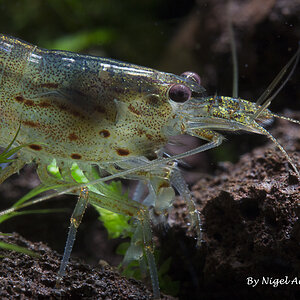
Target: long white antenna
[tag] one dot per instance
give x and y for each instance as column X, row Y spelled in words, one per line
column 273, row 84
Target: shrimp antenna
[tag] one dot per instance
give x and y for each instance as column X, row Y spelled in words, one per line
column 271, row 137
column 286, row 118
column 264, row 97
column 234, row 60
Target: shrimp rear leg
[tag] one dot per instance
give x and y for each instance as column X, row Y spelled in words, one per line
column 159, row 200
column 142, row 243
column 74, row 224
column 149, row 251
column 214, row 140
column 178, row 182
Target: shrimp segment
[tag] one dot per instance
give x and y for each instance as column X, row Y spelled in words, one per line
column 118, row 117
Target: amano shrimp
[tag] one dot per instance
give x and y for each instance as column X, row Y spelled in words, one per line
column 117, row 116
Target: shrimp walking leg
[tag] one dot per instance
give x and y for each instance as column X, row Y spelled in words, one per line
column 141, row 242
column 179, row 184
column 75, row 222
column 139, row 191
column 149, row 251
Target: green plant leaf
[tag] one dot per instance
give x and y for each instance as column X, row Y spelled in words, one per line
column 54, row 170
column 27, row 212
column 77, row 174
column 122, row 248
column 82, row 40
column 7, row 153
column 17, row 248
column 116, row 225
column 34, row 192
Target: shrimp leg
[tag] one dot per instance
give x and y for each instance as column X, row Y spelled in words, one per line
column 142, row 243
column 75, row 221
column 149, row 251
column 179, row 184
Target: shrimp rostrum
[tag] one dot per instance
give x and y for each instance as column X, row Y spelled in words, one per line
column 118, row 117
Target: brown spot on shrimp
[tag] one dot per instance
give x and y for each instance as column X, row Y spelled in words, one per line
column 140, row 131
column 64, row 107
column 76, row 156
column 72, row 137
column 123, row 152
column 19, row 98
column 44, row 104
column 35, row 147
column 104, row 133
column 50, row 85
column 134, row 110
column 149, row 137
column 29, row 102
column 31, row 123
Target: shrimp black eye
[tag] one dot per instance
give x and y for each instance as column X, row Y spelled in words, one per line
column 192, row 76
column 179, row 93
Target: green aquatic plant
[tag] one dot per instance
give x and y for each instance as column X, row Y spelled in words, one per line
column 8, row 152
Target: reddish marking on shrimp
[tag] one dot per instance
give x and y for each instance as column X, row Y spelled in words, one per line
column 31, row 123
column 72, row 137
column 44, row 104
column 29, row 102
column 19, row 98
column 123, row 152
column 35, row 147
column 134, row 110
column 50, row 85
column 76, row 156
column 104, row 133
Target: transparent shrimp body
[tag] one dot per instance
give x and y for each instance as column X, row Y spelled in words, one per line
column 88, row 110
column 83, row 108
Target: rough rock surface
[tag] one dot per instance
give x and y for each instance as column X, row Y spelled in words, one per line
column 25, row 277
